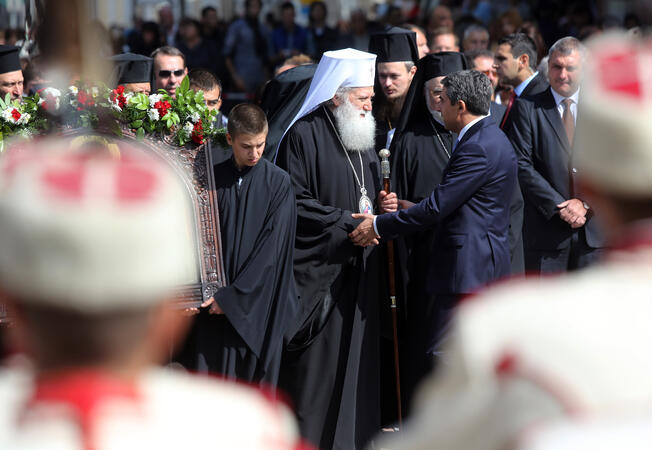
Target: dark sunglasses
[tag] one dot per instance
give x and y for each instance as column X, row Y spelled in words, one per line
column 167, row 73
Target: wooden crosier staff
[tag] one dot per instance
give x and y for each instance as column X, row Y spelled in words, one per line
column 384, row 167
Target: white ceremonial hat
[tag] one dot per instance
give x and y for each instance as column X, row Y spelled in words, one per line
column 339, row 68
column 614, row 126
column 85, row 230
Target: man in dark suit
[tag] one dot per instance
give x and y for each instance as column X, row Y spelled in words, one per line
column 470, row 207
column 558, row 231
column 515, row 61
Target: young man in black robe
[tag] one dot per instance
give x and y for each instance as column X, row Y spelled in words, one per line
column 241, row 332
column 331, row 367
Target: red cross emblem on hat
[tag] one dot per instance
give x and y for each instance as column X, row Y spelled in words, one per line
column 625, row 70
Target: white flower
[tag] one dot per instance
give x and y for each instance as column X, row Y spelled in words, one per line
column 6, row 115
column 188, row 127
column 51, row 92
column 73, row 90
column 24, row 118
column 153, row 114
column 195, row 117
column 128, row 95
column 153, row 98
column 116, row 106
column 95, row 91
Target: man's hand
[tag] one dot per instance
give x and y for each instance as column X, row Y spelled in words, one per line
column 364, row 235
column 573, row 212
column 388, row 202
column 214, row 307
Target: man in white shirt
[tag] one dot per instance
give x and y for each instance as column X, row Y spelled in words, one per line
column 558, row 233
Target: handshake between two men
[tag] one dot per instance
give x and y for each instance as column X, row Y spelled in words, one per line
column 365, row 235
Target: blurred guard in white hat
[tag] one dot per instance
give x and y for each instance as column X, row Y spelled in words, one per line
column 91, row 247
column 331, row 369
column 564, row 362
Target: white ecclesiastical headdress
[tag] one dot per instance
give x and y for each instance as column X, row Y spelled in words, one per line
column 336, row 69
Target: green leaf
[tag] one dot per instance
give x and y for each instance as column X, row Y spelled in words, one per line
column 140, row 133
column 199, row 97
column 185, row 85
column 142, row 106
column 137, row 124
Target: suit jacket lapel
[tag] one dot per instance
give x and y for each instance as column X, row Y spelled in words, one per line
column 549, row 108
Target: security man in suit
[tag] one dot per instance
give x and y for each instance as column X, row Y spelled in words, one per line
column 558, row 231
column 515, row 62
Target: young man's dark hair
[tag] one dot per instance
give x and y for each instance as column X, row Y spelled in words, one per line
column 521, row 44
column 204, row 80
column 247, row 118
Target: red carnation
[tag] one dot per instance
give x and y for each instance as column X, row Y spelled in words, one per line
column 197, row 135
column 16, row 114
column 84, row 99
column 118, row 94
column 162, row 107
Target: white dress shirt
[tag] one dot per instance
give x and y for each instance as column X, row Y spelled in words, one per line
column 560, row 106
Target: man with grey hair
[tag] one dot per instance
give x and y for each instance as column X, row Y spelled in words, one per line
column 471, row 205
column 331, row 367
column 559, row 232
column 476, row 37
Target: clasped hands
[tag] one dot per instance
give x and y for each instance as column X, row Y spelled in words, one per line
column 364, row 234
column 573, row 212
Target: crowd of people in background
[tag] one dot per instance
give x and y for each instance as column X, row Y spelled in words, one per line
column 247, row 51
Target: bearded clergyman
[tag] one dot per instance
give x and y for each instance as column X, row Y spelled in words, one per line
column 330, row 368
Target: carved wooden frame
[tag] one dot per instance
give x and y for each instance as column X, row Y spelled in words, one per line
column 194, row 165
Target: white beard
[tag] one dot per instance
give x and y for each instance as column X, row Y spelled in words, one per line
column 435, row 114
column 357, row 133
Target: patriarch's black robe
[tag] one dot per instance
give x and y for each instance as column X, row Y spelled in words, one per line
column 331, row 367
column 257, row 221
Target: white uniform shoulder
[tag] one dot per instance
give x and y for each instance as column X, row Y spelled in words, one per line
column 527, row 352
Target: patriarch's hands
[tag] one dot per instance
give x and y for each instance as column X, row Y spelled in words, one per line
column 364, row 235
